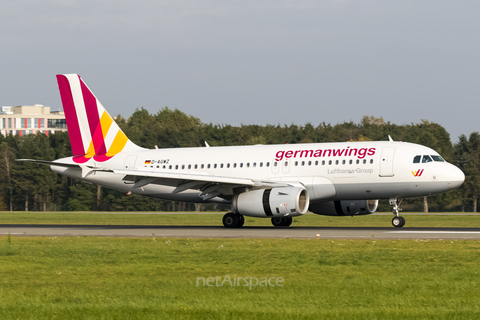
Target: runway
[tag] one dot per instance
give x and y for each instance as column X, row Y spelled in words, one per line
column 245, row 232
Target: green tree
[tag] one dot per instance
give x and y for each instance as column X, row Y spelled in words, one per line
column 7, row 161
column 467, row 154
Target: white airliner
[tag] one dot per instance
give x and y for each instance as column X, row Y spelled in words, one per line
column 264, row 181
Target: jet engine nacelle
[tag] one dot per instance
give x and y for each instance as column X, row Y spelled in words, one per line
column 275, row 202
column 344, row 207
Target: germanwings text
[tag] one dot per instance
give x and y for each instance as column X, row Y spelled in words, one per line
column 347, row 152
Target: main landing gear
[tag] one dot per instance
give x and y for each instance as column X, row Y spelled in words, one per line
column 282, row 221
column 397, row 221
column 233, row 220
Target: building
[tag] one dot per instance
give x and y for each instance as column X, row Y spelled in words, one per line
column 21, row 120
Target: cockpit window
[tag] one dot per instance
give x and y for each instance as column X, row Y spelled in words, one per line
column 426, row 159
column 438, row 159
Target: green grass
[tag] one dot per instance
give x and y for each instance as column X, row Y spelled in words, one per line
column 148, row 278
column 458, row 221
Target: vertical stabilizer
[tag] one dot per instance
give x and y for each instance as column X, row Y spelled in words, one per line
column 92, row 131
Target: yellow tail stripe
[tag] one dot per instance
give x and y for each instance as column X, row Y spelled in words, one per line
column 105, row 122
column 91, row 151
column 118, row 144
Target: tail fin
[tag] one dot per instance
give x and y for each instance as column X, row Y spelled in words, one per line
column 92, row 131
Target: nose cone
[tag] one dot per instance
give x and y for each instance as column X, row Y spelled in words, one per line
column 456, row 177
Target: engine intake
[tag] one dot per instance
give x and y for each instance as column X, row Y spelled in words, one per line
column 275, row 202
column 344, row 207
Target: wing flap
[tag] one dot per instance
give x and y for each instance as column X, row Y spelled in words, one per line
column 182, row 178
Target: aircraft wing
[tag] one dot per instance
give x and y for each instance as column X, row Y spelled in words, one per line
column 210, row 185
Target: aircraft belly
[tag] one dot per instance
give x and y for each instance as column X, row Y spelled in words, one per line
column 319, row 188
column 347, row 187
column 386, row 190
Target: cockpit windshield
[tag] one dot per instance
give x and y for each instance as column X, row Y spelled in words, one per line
column 427, row 158
column 438, row 158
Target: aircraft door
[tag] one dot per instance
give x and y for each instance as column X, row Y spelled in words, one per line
column 386, row 162
column 130, row 163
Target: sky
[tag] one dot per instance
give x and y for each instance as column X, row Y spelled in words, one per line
column 252, row 62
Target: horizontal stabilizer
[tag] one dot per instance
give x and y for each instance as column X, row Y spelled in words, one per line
column 86, row 170
column 51, row 163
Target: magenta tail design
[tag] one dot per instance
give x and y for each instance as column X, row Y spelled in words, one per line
column 92, row 131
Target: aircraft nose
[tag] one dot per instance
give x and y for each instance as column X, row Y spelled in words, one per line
column 457, row 177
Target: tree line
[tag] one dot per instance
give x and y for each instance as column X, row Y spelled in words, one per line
column 29, row 186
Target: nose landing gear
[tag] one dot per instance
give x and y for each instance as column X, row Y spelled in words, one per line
column 397, row 221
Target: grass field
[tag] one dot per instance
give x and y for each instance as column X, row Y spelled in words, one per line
column 148, row 278
column 458, row 221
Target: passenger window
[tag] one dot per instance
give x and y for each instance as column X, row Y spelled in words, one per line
column 176, row 167
column 189, row 166
column 417, row 159
column 426, row 159
column 275, row 164
column 228, row 165
column 254, row 164
column 268, row 164
column 364, row 161
column 221, row 165
column 323, row 162
column 358, row 161
column 296, row 163
column 336, row 161
column 158, row 167
column 329, row 162
column 316, row 163
column 234, row 165
column 215, row 166
column 183, row 167
column 350, row 162
column 164, row 166
column 309, row 163
column 196, row 166
column 248, row 164
column 303, row 163
column 343, row 161
column 203, row 166
column 241, row 165
column 371, row 161
column 170, row 167
column 208, row 166
column 261, row 164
